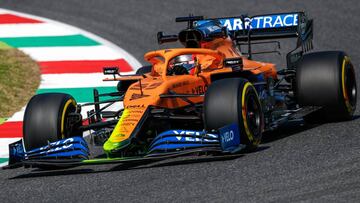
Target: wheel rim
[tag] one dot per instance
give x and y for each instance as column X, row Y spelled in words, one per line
column 350, row 87
column 69, row 107
column 253, row 114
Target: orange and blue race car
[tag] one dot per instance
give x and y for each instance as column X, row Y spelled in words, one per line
column 208, row 98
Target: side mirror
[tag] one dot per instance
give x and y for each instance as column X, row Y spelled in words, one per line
column 166, row 38
column 111, row 71
column 235, row 63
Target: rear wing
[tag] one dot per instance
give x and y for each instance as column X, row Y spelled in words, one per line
column 268, row 27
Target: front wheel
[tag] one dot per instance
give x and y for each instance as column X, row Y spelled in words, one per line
column 235, row 100
column 47, row 119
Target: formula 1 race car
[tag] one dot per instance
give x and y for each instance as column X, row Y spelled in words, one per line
column 208, row 98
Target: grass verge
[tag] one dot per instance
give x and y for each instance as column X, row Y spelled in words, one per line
column 2, row 120
column 19, row 78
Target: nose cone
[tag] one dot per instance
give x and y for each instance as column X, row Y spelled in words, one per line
column 136, row 102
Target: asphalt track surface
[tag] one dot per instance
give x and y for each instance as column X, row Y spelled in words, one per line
column 308, row 163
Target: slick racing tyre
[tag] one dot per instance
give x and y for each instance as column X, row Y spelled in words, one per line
column 327, row 79
column 235, row 100
column 46, row 119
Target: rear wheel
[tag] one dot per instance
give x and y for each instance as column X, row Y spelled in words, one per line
column 235, row 100
column 46, row 119
column 327, row 79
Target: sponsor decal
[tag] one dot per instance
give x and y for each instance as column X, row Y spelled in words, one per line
column 138, row 96
column 229, row 137
column 186, row 132
column 181, row 84
column 259, row 22
column 201, row 89
column 189, row 133
column 65, row 145
column 146, row 86
column 138, row 106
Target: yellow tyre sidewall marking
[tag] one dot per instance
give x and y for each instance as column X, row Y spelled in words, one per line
column 67, row 104
column 247, row 130
column 346, row 97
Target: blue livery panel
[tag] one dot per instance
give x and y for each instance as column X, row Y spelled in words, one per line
column 74, row 147
column 257, row 22
column 182, row 139
column 16, row 152
column 230, row 138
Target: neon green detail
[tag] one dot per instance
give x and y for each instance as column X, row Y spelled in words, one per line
column 110, row 146
column 112, row 143
column 108, row 160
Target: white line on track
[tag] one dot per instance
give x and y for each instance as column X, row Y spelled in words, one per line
column 74, row 80
column 72, row 53
column 34, row 29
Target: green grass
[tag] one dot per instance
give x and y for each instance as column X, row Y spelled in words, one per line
column 2, row 120
column 19, row 78
column 4, row 46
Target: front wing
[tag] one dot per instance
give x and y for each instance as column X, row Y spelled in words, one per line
column 73, row 152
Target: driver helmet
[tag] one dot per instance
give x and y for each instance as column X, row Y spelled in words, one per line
column 187, row 61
